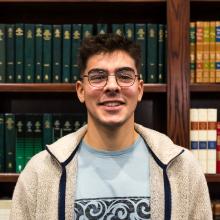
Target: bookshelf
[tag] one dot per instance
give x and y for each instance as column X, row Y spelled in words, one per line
column 175, row 97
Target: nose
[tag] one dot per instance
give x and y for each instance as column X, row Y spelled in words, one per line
column 112, row 83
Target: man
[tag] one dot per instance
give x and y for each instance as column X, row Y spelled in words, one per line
column 112, row 168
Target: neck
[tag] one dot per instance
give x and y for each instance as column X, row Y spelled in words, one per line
column 111, row 139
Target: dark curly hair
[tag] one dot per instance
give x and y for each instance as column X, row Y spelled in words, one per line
column 107, row 43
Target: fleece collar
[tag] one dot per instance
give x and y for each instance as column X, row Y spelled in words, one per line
column 163, row 148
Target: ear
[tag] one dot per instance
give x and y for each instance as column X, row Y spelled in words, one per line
column 80, row 91
column 140, row 89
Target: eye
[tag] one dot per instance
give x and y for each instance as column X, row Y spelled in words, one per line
column 125, row 75
column 97, row 76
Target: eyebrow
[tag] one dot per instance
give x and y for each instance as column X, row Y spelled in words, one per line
column 116, row 70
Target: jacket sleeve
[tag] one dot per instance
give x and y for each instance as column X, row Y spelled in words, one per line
column 200, row 204
column 24, row 196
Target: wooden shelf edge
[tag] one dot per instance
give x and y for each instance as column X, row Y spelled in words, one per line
column 62, row 87
column 205, row 87
column 9, row 177
column 213, row 178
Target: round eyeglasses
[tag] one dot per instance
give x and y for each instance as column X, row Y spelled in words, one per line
column 125, row 77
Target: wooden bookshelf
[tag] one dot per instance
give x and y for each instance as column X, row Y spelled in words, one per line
column 205, row 87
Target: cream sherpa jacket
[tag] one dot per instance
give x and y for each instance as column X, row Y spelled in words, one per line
column 45, row 189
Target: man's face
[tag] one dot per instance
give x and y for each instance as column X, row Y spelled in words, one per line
column 110, row 105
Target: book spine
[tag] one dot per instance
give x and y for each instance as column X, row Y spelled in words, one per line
column 102, row 28
column 212, row 38
column 29, row 53
column 194, row 132
column 19, row 53
column 192, row 38
column 10, row 136
column 218, row 149
column 152, row 53
column 57, row 34
column 57, row 130
column 2, row 53
column 202, row 115
column 140, row 36
column 38, row 52
column 2, row 144
column 206, row 33
column 165, row 53
column 87, row 30
column 38, row 133
column 199, row 51
column 20, row 139
column 67, row 124
column 76, row 40
column 118, row 29
column 47, row 129
column 129, row 31
column 211, row 136
column 66, row 37
column 10, row 52
column 217, row 52
column 47, row 49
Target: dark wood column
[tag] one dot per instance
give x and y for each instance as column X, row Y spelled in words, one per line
column 178, row 71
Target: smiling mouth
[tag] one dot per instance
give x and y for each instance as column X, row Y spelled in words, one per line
column 111, row 104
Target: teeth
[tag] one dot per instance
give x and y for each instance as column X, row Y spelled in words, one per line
column 111, row 104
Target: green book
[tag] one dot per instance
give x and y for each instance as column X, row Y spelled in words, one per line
column 66, row 38
column 2, row 53
column 29, row 41
column 79, row 120
column 10, row 137
column 87, row 30
column 102, row 28
column 38, row 52
column 160, row 53
column 76, row 40
column 10, row 53
column 20, row 142
column 47, row 129
column 151, row 53
column 165, row 54
column 47, row 49
column 29, row 137
column 118, row 29
column 67, row 124
column 140, row 36
column 57, row 50
column 19, row 53
column 57, row 131
column 38, row 133
column 129, row 31
column 2, row 144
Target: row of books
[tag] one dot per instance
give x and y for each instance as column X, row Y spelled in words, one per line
column 205, row 138
column 216, row 209
column 24, row 135
column 205, row 52
column 43, row 53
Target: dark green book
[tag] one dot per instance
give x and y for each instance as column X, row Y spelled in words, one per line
column 57, row 44
column 66, row 55
column 47, row 51
column 160, row 53
column 19, row 53
column 165, row 53
column 79, row 120
column 140, row 37
column 20, row 142
column 38, row 133
column 38, row 53
column 10, row 137
column 118, row 29
column 67, row 124
column 76, row 40
column 87, row 30
column 129, row 31
column 47, row 129
column 102, row 28
column 10, row 53
column 2, row 53
column 151, row 53
column 29, row 43
column 57, row 130
column 2, row 144
column 29, row 137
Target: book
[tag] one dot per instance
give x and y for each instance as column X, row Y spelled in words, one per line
column 47, row 130
column 10, row 53
column 87, row 30
column 160, row 54
column 19, row 53
column 102, row 28
column 38, row 133
column 66, row 54
column 129, row 31
column 217, row 52
column 38, row 53
column 211, row 137
column 192, row 38
column 218, row 148
column 29, row 53
column 212, row 49
column 2, row 143
column 194, row 132
column 57, row 129
column 5, row 207
column 118, row 29
column 2, row 53
column 57, row 51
